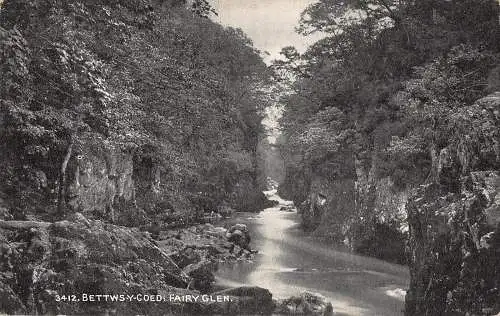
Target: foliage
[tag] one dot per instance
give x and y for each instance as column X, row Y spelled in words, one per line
column 146, row 76
column 392, row 89
column 202, row 8
column 396, row 86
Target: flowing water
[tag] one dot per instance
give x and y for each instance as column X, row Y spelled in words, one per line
column 289, row 262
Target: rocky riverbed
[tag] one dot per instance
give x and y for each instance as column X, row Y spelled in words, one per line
column 54, row 268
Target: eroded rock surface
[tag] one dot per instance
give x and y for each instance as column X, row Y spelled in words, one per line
column 42, row 260
column 307, row 303
column 454, row 221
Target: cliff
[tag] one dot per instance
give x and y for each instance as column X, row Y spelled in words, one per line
column 124, row 112
column 120, row 120
column 352, row 205
column 375, row 105
column 453, row 238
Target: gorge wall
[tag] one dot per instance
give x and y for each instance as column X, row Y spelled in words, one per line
column 123, row 111
column 351, row 205
column 453, row 240
column 120, row 120
column 391, row 142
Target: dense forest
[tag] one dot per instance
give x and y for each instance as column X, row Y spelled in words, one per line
column 120, row 120
column 125, row 123
column 391, row 141
column 129, row 111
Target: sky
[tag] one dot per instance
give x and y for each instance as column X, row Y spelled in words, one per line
column 271, row 26
column 269, row 23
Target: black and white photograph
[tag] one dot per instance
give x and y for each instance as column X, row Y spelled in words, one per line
column 250, row 157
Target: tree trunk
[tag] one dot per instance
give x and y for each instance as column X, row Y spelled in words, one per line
column 62, row 178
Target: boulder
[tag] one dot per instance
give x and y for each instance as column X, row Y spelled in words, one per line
column 307, row 303
column 245, row 300
column 202, row 274
column 42, row 261
column 215, row 231
column 186, row 256
column 287, row 208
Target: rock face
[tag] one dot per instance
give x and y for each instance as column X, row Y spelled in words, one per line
column 125, row 188
column 454, row 238
column 306, row 303
column 349, row 202
column 102, row 155
column 102, row 178
column 455, row 246
column 246, row 195
column 324, row 195
column 246, row 300
column 379, row 227
column 354, row 198
column 41, row 261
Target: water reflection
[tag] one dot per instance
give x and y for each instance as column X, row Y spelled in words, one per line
column 289, row 262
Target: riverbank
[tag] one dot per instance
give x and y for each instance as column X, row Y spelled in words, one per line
column 81, row 265
column 202, row 249
column 84, row 266
column 291, row 261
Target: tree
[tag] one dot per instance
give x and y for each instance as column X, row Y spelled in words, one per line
column 385, row 90
column 179, row 93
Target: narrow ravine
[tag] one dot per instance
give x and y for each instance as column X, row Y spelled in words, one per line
column 290, row 262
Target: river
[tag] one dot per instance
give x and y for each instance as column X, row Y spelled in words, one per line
column 290, row 262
